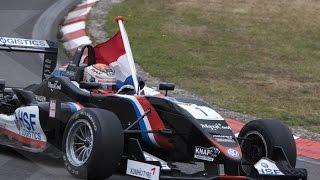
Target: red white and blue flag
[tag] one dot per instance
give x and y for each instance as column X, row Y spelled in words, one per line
column 116, row 52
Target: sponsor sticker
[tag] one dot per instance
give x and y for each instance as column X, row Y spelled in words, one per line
column 207, row 154
column 266, row 166
column 223, row 138
column 40, row 98
column 23, row 42
column 27, row 123
column 48, row 61
column 52, row 108
column 143, row 170
column 70, row 73
column 214, row 126
column 233, row 153
column 54, row 85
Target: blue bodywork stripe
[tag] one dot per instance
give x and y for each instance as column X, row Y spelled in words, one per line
column 72, row 107
column 142, row 125
column 57, row 73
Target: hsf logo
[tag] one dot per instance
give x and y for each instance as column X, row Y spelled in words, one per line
column 26, row 123
column 25, row 120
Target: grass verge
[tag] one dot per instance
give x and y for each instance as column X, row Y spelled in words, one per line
column 256, row 57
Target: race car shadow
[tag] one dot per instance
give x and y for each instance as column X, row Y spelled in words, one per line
column 21, row 165
column 33, row 157
column 24, row 165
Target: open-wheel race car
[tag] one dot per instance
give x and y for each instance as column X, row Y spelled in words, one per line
column 136, row 131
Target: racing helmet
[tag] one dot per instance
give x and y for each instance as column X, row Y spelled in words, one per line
column 102, row 74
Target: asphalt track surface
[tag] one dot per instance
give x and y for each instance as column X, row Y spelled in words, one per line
column 17, row 18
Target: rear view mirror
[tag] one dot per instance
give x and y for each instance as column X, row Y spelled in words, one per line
column 166, row 87
column 141, row 83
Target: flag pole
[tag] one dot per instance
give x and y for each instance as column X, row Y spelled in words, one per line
column 119, row 20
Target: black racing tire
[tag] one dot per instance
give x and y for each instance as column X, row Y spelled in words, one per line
column 103, row 144
column 267, row 134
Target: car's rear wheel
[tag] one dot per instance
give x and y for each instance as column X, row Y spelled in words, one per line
column 92, row 144
column 79, row 142
column 259, row 139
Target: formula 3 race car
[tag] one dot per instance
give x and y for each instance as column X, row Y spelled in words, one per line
column 142, row 135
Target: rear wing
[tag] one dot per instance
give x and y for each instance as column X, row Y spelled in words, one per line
column 48, row 48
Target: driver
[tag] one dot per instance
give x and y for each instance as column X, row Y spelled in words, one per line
column 102, row 74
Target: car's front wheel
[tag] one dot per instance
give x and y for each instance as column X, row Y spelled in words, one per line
column 261, row 136
column 92, row 144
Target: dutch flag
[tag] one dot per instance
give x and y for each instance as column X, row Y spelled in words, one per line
column 116, row 52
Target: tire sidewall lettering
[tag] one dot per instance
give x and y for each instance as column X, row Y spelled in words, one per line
column 88, row 116
column 82, row 170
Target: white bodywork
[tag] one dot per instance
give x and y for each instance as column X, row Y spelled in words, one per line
column 201, row 112
column 266, row 166
column 198, row 112
column 23, row 129
column 150, row 157
column 143, row 170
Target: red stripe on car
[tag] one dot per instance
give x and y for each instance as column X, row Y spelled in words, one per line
column 22, row 139
column 155, row 122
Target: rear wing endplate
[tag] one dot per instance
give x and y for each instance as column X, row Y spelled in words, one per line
column 48, row 48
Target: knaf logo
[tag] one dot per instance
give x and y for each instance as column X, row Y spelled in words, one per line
column 207, row 154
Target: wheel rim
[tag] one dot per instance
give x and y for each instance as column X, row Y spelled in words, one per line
column 79, row 142
column 254, row 149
